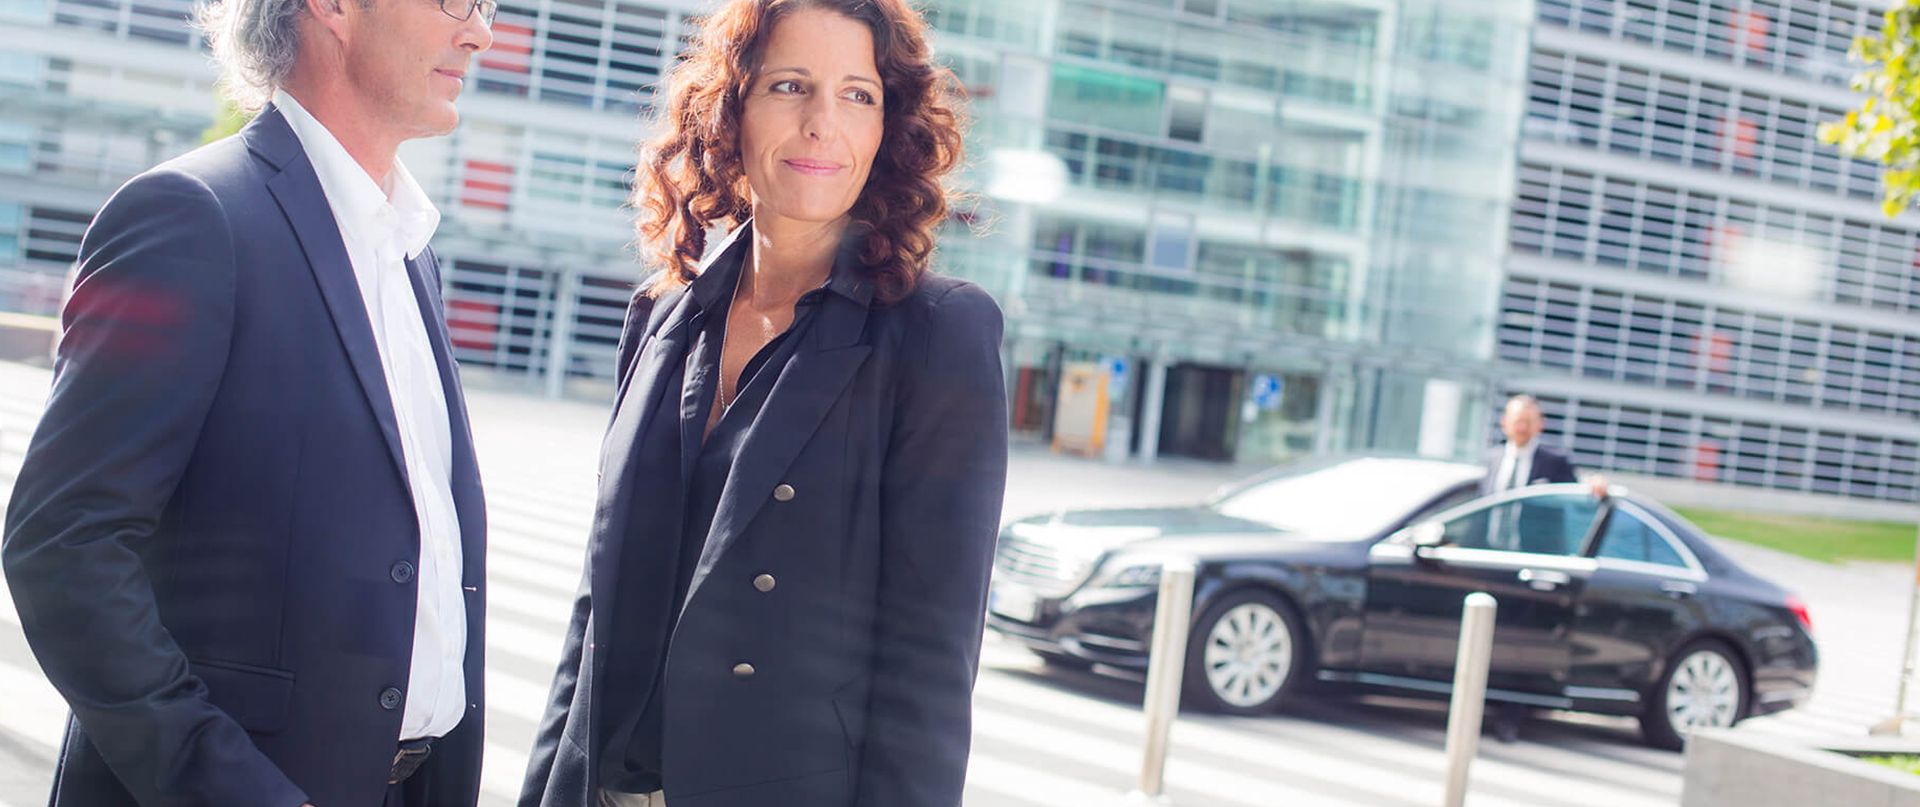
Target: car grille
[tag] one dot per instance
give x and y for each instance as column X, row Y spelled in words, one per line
column 1039, row 566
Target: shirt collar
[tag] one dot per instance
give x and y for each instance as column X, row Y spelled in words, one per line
column 717, row 275
column 363, row 209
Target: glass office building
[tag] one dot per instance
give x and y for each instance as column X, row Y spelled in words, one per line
column 1697, row 288
column 1274, row 227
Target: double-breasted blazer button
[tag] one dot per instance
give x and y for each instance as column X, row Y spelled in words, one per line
column 743, row 670
column 783, row 493
column 391, row 699
column 402, row 572
column 764, row 583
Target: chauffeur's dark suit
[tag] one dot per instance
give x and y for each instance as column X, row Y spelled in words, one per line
column 1549, row 467
column 831, row 626
column 211, row 540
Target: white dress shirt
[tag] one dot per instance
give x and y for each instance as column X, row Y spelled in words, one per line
column 1516, row 463
column 382, row 228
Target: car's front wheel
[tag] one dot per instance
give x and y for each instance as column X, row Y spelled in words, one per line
column 1244, row 655
column 1704, row 687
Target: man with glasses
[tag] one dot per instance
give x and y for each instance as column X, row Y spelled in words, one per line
column 248, row 540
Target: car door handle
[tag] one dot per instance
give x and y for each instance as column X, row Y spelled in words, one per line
column 1543, row 579
column 1679, row 589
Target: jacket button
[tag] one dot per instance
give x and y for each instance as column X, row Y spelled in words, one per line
column 743, row 670
column 390, row 699
column 783, row 493
column 401, row 572
column 764, row 583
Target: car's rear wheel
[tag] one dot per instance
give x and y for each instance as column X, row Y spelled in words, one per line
column 1244, row 655
column 1704, row 687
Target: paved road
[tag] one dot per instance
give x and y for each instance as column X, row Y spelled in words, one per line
column 1041, row 738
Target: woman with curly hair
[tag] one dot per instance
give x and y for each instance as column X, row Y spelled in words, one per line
column 802, row 480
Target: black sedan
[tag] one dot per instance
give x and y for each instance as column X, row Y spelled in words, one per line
column 1352, row 573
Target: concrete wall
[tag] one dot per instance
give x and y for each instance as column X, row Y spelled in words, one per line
column 1733, row 768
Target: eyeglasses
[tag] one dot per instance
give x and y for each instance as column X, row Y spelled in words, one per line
column 463, row 10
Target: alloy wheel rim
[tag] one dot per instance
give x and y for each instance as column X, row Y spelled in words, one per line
column 1703, row 693
column 1248, row 655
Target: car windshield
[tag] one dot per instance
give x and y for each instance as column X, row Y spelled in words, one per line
column 1352, row 499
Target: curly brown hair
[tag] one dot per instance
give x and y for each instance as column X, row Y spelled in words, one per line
column 690, row 175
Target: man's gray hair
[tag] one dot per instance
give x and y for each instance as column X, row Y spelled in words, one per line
column 1527, row 401
column 254, row 42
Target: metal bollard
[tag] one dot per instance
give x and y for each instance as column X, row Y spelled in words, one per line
column 560, row 339
column 1166, row 664
column 1469, row 692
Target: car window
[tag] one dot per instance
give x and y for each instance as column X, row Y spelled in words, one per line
column 1443, row 504
column 1629, row 538
column 1545, row 525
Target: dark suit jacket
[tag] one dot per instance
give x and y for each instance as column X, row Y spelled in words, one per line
column 205, row 540
column 889, row 423
column 1549, row 467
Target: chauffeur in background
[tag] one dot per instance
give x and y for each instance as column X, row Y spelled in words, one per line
column 1524, row 461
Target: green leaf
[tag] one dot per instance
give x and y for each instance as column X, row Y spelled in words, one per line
column 1885, row 127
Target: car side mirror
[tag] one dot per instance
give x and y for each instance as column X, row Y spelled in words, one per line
column 1425, row 537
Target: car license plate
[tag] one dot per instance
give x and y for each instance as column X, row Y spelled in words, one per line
column 1013, row 602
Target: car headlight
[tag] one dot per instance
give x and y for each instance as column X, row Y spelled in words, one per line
column 1128, row 574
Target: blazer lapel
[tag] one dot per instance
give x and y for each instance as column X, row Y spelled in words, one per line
column 469, row 501
column 297, row 190
column 801, row 397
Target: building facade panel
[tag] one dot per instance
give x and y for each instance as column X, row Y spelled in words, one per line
column 1742, row 315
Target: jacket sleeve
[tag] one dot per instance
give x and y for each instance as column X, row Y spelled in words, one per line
column 944, row 476
column 566, row 679
column 145, row 342
column 553, row 723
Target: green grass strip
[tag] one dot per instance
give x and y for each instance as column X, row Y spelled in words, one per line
column 1830, row 540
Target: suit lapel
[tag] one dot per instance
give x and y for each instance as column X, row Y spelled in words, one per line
column 469, row 502
column 297, row 190
column 805, row 392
